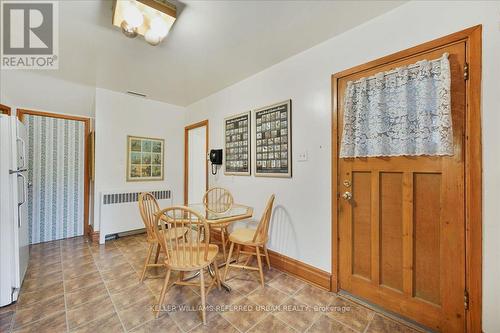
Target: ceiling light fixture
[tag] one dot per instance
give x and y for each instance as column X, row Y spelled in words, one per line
column 149, row 18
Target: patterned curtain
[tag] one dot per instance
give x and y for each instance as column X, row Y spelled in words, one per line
column 56, row 178
column 406, row 111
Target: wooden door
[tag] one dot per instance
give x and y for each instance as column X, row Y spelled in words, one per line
column 402, row 235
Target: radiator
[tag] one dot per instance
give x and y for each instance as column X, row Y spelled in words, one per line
column 119, row 211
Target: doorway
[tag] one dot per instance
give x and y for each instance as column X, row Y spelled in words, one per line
column 195, row 162
column 407, row 231
column 58, row 178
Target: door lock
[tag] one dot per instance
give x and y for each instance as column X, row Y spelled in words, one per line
column 347, row 196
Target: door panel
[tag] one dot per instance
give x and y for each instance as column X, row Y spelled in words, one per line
column 402, row 234
column 391, row 229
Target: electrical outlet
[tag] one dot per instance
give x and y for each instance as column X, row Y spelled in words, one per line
column 302, row 157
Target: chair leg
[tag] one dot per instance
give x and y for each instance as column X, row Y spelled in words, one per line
column 223, row 236
column 157, row 252
column 217, row 275
column 202, row 290
column 259, row 261
column 163, row 292
column 228, row 261
column 238, row 249
column 146, row 262
column 267, row 257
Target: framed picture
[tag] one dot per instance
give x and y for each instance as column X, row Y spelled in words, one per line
column 273, row 140
column 145, row 158
column 237, row 144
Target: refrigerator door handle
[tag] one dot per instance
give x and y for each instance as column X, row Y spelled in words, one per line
column 23, row 156
column 20, row 175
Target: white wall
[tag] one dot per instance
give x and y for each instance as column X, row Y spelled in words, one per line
column 119, row 115
column 36, row 91
column 302, row 222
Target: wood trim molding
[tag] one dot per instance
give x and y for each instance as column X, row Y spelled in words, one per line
column 473, row 161
column 4, row 109
column 297, row 268
column 186, row 155
column 94, row 235
column 86, row 178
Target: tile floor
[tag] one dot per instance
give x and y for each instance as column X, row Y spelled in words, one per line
column 76, row 286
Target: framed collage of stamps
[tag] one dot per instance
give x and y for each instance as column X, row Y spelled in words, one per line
column 145, row 158
column 237, row 144
column 273, row 149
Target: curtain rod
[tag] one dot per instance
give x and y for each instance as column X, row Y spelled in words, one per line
column 395, row 70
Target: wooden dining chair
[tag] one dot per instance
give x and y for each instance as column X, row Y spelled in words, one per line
column 148, row 207
column 191, row 253
column 219, row 200
column 254, row 238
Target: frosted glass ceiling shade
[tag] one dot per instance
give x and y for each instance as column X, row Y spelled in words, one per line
column 133, row 16
column 152, row 37
column 151, row 19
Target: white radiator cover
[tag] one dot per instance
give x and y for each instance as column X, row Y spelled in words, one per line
column 119, row 211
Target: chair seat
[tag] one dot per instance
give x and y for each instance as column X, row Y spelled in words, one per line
column 186, row 259
column 243, row 236
column 172, row 233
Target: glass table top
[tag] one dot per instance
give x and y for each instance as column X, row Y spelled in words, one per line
column 233, row 212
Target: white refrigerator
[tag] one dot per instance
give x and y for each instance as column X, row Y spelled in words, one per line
column 14, row 243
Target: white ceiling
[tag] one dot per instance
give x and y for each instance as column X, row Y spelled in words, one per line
column 212, row 45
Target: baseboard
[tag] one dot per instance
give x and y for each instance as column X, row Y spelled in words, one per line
column 94, row 235
column 292, row 266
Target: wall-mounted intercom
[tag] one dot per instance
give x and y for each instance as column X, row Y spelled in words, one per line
column 216, row 159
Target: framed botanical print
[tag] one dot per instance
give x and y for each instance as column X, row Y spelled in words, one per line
column 145, row 158
column 273, row 140
column 237, row 144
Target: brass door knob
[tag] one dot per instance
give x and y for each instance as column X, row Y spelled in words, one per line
column 347, row 195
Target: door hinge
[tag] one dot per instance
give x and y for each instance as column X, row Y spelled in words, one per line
column 466, row 300
column 466, row 71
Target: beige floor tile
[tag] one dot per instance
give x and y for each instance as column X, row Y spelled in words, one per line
column 36, row 296
column 82, row 281
column 6, row 320
column 216, row 324
column 108, row 323
column 37, row 311
column 84, row 295
column 37, row 272
column 138, row 313
column 89, row 311
column 243, row 315
column 296, row 314
column 287, row 284
column 52, row 324
column 381, row 324
column 242, row 281
column 130, row 295
column 270, row 324
column 327, row 324
column 73, row 272
column 118, row 272
column 311, row 295
column 221, row 298
column 115, row 286
column 267, row 296
column 350, row 314
column 187, row 312
column 38, row 283
column 163, row 324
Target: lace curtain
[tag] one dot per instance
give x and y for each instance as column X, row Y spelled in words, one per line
column 406, row 111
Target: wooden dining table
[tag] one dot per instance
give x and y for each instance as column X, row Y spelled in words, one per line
column 237, row 212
